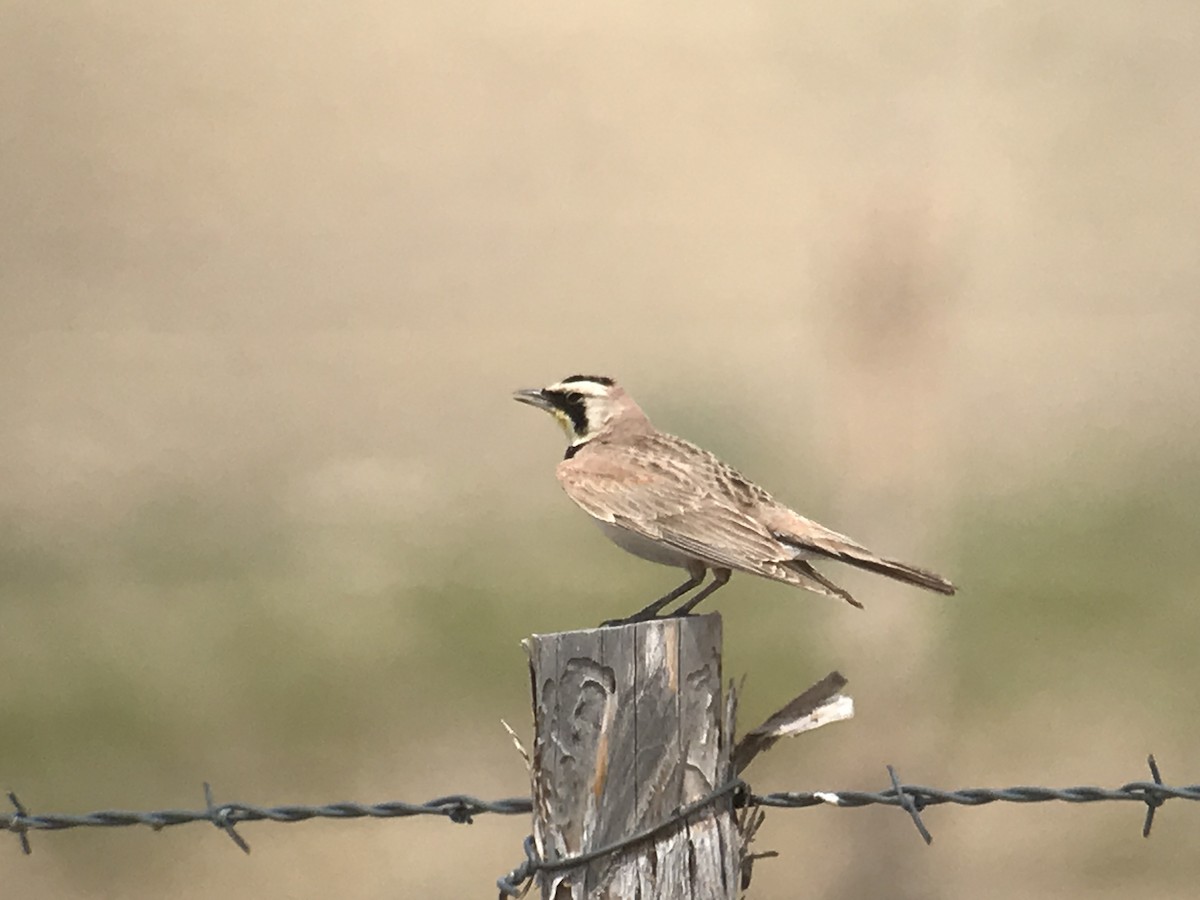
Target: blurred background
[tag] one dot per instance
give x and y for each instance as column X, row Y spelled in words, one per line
column 269, row 519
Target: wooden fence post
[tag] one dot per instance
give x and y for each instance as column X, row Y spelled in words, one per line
column 629, row 728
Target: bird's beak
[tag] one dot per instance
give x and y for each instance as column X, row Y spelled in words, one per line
column 534, row 397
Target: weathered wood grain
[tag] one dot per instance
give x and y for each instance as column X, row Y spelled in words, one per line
column 630, row 727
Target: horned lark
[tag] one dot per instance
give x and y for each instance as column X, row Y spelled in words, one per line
column 667, row 500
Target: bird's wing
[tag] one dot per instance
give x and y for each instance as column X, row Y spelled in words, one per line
column 686, row 503
column 805, row 534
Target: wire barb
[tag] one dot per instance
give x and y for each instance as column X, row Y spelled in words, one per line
column 911, row 805
column 224, row 818
column 459, row 810
column 1153, row 799
column 17, row 823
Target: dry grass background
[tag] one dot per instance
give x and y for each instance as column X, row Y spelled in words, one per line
column 268, row 518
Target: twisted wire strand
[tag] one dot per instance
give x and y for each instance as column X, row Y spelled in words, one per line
column 463, row 808
column 1140, row 791
column 455, row 807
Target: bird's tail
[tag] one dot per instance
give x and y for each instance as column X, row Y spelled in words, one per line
column 922, row 578
column 819, row 542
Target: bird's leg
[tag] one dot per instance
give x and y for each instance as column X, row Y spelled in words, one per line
column 720, row 577
column 695, row 577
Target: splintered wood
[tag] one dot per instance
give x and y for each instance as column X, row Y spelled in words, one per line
column 628, row 729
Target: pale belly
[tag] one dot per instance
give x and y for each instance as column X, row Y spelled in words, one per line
column 644, row 547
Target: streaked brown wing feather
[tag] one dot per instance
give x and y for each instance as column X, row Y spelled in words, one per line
column 682, row 502
column 806, row 534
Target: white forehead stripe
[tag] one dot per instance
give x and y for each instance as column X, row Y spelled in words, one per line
column 587, row 388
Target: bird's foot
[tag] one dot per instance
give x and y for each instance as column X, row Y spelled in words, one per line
column 640, row 617
column 631, row 620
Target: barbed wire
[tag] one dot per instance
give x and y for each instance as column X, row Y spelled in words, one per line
column 458, row 808
column 912, row 798
column 462, row 809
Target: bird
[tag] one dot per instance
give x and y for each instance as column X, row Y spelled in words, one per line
column 664, row 499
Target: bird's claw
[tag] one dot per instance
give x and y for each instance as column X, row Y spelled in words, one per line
column 633, row 620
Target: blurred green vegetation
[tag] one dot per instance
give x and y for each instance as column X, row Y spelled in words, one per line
column 125, row 638
column 1079, row 577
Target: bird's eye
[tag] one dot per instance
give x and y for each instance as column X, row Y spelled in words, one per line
column 574, row 397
